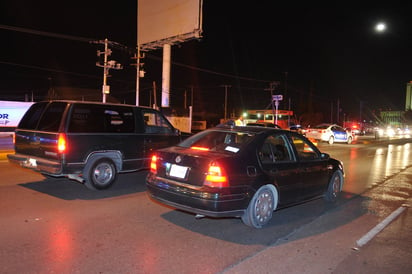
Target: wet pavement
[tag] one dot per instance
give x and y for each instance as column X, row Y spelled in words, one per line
column 329, row 245
column 337, row 251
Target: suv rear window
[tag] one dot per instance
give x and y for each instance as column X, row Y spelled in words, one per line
column 43, row 116
column 101, row 118
column 51, row 118
column 32, row 116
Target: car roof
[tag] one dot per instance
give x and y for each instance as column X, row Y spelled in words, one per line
column 94, row 103
column 247, row 129
column 262, row 124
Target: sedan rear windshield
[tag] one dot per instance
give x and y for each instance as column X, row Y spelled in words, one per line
column 220, row 141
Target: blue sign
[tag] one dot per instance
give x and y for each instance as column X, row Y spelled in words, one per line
column 277, row 97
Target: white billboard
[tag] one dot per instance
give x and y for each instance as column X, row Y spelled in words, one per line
column 168, row 22
column 10, row 114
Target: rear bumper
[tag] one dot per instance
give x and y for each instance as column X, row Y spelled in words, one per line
column 196, row 199
column 38, row 164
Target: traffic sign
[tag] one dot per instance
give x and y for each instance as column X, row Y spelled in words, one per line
column 277, row 97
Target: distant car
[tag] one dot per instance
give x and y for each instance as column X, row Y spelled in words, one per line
column 263, row 124
column 381, row 132
column 298, row 128
column 330, row 133
column 245, row 172
column 389, row 132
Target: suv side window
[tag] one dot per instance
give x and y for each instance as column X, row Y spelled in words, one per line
column 156, row 123
column 101, row 118
column 51, row 118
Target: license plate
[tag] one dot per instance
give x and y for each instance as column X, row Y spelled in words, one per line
column 178, row 171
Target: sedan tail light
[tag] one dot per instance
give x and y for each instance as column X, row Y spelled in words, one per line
column 153, row 164
column 216, row 177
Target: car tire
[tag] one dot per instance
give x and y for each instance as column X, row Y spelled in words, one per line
column 331, row 140
column 260, row 208
column 334, row 187
column 350, row 140
column 100, row 174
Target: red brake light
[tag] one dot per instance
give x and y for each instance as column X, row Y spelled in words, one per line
column 200, row 148
column 216, row 177
column 61, row 143
column 153, row 164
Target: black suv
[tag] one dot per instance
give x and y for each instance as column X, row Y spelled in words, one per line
column 89, row 141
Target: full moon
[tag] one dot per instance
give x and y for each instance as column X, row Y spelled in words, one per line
column 380, row 27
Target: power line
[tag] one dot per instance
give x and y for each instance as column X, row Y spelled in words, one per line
column 122, row 47
column 45, row 33
column 210, row 71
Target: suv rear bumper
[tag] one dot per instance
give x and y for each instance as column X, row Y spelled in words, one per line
column 38, row 164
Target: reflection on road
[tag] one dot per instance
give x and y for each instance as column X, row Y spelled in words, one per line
column 369, row 165
column 387, row 162
column 370, row 170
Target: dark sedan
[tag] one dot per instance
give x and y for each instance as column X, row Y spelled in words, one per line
column 245, row 172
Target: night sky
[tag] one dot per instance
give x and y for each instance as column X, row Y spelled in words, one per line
column 321, row 57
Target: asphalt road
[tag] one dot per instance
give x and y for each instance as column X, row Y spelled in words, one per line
column 56, row 225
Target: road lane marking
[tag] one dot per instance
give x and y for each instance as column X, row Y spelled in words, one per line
column 379, row 227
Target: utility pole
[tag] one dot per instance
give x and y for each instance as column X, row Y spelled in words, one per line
column 226, row 86
column 105, row 88
column 191, row 96
column 154, row 96
column 107, row 65
column 139, row 71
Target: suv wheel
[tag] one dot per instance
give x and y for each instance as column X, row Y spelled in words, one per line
column 100, row 174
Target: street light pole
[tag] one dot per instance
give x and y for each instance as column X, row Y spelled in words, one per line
column 226, row 86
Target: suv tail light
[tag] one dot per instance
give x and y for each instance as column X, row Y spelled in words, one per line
column 153, row 164
column 61, row 143
column 216, row 176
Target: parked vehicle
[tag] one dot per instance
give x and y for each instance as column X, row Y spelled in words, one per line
column 330, row 133
column 298, row 128
column 88, row 141
column 245, row 172
column 282, row 118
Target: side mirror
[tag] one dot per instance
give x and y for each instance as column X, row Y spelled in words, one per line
column 324, row 156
